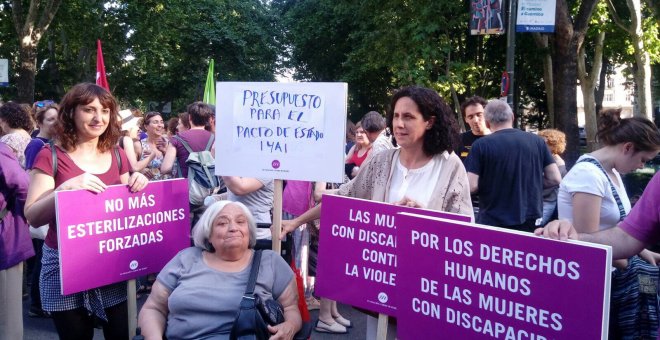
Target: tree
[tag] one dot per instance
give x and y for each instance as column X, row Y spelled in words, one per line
column 30, row 28
column 569, row 35
column 642, row 75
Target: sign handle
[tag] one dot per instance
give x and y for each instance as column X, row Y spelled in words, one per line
column 132, row 308
column 277, row 216
column 381, row 331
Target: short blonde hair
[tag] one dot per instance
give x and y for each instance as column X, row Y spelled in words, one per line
column 202, row 230
column 555, row 139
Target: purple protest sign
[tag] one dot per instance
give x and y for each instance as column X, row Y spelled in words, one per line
column 357, row 251
column 466, row 281
column 118, row 235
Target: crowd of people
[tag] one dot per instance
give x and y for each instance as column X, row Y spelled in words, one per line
column 415, row 156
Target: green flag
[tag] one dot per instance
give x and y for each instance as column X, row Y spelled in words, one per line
column 209, row 89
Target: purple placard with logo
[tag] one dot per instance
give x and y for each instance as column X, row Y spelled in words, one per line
column 466, row 281
column 118, row 235
column 357, row 251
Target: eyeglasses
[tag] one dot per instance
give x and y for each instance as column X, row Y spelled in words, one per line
column 43, row 103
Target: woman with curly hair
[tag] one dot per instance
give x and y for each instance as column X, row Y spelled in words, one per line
column 151, row 150
column 425, row 130
column 16, row 124
column 87, row 159
column 556, row 141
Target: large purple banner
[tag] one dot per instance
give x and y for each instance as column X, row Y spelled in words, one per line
column 465, row 281
column 357, row 251
column 118, row 235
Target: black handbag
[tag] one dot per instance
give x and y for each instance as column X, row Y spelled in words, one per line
column 255, row 314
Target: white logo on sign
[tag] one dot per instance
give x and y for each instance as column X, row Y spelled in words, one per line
column 133, row 265
column 382, row 297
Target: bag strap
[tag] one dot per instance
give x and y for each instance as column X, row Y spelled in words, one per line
column 185, row 144
column 254, row 272
column 617, row 198
column 116, row 149
column 54, row 156
column 210, row 143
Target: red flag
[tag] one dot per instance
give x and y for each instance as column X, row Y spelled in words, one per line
column 101, row 80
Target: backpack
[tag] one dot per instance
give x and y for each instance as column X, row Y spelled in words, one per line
column 202, row 180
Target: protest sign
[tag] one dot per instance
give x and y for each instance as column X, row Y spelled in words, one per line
column 118, row 235
column 466, row 281
column 536, row 16
column 281, row 130
column 357, row 251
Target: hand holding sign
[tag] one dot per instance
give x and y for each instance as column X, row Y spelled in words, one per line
column 558, row 230
column 137, row 182
column 85, row 181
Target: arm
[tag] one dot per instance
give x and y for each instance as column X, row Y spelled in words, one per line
column 242, row 185
column 168, row 160
column 292, row 320
column 319, row 190
column 308, row 216
column 473, row 179
column 129, row 149
column 153, row 315
column 586, row 212
column 349, row 155
column 623, row 245
column 140, row 164
column 551, row 176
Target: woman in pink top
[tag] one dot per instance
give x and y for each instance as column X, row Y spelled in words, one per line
column 359, row 152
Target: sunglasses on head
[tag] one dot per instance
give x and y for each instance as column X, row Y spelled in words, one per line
column 43, row 103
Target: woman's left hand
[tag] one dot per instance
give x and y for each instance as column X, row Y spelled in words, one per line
column 650, row 257
column 405, row 201
column 137, row 182
column 285, row 330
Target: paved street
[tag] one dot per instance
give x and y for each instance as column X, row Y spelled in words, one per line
column 43, row 329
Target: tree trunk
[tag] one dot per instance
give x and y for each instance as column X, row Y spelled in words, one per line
column 602, row 81
column 642, row 79
column 588, row 86
column 27, row 68
column 543, row 44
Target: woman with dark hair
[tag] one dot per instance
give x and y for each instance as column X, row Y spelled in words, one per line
column 171, row 127
column 184, row 122
column 151, row 150
column 15, row 125
column 424, row 172
column 87, row 159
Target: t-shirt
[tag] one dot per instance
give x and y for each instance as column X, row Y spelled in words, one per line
column 32, row 149
column 587, row 178
column 643, row 222
column 203, row 301
column 259, row 202
column 67, row 169
column 197, row 139
column 467, row 139
column 357, row 159
column 510, row 165
column 415, row 183
column 296, row 197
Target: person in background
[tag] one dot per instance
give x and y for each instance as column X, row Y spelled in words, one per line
column 129, row 135
column 350, row 135
column 509, row 169
column 16, row 124
column 592, row 195
column 358, row 153
column 473, row 113
column 46, row 118
column 171, row 127
column 87, row 159
column 375, row 127
column 184, row 122
column 15, row 245
column 151, row 150
column 556, row 141
column 424, row 172
column 198, row 293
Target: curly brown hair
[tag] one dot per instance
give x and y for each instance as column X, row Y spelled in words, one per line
column 16, row 116
column 83, row 94
column 555, row 139
column 443, row 135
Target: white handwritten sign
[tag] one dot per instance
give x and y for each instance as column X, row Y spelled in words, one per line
column 281, row 130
